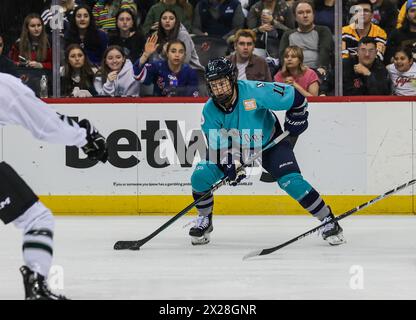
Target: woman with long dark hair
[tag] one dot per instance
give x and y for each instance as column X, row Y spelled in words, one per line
column 116, row 77
column 170, row 77
column 169, row 29
column 127, row 36
column 83, row 31
column 77, row 72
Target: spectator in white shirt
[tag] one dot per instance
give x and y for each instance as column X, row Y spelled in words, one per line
column 403, row 72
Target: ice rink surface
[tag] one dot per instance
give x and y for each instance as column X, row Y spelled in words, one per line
column 377, row 262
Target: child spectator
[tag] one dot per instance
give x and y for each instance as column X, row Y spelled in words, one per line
column 115, row 77
column 105, row 11
column 171, row 77
column 127, row 36
column 403, row 72
column 32, row 49
column 170, row 28
column 84, row 32
column 295, row 73
column 77, row 72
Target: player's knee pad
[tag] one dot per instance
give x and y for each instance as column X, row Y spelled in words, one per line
column 294, row 185
column 204, row 177
column 15, row 195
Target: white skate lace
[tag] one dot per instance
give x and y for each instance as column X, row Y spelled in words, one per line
column 327, row 227
column 200, row 222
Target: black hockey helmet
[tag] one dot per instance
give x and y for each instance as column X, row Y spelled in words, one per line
column 220, row 68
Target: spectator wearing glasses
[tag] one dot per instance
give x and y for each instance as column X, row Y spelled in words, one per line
column 363, row 74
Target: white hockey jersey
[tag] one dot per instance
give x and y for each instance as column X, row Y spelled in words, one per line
column 20, row 106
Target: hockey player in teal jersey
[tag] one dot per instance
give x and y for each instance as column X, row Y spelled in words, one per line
column 238, row 118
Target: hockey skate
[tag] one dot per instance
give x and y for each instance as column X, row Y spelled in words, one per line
column 332, row 232
column 200, row 233
column 36, row 287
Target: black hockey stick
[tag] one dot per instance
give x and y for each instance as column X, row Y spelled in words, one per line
column 342, row 216
column 136, row 244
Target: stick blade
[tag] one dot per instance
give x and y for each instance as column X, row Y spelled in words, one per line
column 123, row 245
column 252, row 254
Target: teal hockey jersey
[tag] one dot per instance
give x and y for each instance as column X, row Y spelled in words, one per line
column 252, row 123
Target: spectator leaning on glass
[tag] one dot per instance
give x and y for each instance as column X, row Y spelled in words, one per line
column 84, row 32
column 405, row 36
column 170, row 28
column 403, row 72
column 105, row 11
column 127, row 36
column 32, row 49
column 295, row 73
column 151, row 23
column 171, row 77
column 77, row 74
column 363, row 74
column 362, row 27
column 218, row 18
column 249, row 66
column 115, row 77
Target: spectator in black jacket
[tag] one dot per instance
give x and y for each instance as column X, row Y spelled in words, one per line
column 363, row 74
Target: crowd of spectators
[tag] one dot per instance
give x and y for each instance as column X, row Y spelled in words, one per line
column 125, row 47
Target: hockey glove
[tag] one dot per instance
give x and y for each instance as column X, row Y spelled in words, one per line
column 230, row 167
column 96, row 147
column 296, row 123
